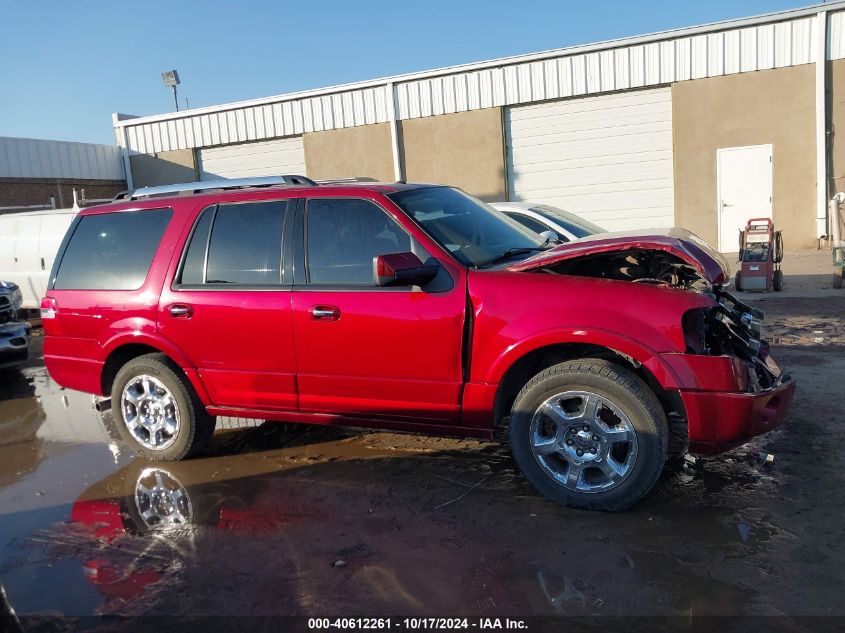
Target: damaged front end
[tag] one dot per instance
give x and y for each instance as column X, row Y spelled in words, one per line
column 674, row 258
column 731, row 387
column 733, row 328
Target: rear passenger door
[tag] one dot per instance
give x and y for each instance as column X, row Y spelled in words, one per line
column 365, row 350
column 228, row 307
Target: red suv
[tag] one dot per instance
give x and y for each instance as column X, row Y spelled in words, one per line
column 408, row 306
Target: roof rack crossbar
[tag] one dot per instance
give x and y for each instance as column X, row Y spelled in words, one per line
column 232, row 183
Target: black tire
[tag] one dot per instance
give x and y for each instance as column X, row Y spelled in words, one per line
column 623, row 390
column 777, row 280
column 196, row 426
column 838, row 272
column 738, row 281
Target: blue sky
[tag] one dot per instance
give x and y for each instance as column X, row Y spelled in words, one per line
column 66, row 66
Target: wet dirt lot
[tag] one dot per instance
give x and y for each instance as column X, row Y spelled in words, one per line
column 297, row 520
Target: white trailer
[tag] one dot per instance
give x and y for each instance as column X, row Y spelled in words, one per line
column 28, row 246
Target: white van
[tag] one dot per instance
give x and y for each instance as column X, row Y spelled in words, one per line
column 28, row 245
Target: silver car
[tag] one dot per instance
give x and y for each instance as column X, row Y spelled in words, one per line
column 543, row 218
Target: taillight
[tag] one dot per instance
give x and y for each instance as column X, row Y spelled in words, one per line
column 49, row 307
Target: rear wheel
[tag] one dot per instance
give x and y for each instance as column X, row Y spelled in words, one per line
column 589, row 434
column 738, row 281
column 777, row 280
column 837, row 276
column 157, row 411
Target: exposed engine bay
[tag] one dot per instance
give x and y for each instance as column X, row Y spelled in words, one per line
column 635, row 265
column 729, row 328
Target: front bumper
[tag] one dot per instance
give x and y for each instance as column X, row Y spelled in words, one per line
column 719, row 421
column 14, row 341
column 732, row 390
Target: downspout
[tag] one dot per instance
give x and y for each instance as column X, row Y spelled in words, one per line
column 395, row 131
column 123, row 143
column 821, row 125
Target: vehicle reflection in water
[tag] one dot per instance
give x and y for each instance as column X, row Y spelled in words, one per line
column 276, row 516
column 340, row 521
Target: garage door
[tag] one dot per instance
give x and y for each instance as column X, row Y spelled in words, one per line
column 607, row 158
column 246, row 160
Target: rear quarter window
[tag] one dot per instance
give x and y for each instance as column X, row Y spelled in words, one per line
column 112, row 251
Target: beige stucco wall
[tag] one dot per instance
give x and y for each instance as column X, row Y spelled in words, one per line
column 464, row 149
column 164, row 168
column 837, row 122
column 770, row 106
column 356, row 151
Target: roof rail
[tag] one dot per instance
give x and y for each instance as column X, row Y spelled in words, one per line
column 233, row 183
column 343, row 181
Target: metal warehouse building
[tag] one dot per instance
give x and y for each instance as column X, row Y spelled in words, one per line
column 702, row 127
column 41, row 173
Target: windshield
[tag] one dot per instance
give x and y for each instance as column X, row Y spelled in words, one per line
column 476, row 234
column 579, row 227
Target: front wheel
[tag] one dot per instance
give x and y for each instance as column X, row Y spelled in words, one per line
column 777, row 280
column 157, row 411
column 838, row 273
column 589, row 434
column 738, row 281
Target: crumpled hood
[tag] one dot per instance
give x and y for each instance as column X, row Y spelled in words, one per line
column 685, row 245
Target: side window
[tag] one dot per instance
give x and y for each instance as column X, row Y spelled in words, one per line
column 530, row 223
column 343, row 235
column 193, row 270
column 112, row 251
column 236, row 244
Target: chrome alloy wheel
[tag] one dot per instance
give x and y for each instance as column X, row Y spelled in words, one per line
column 150, row 412
column 583, row 441
column 161, row 499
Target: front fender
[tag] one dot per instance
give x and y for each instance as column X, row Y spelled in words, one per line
column 517, row 313
column 577, row 335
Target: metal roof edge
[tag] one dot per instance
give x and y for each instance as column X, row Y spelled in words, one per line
column 49, row 140
column 712, row 27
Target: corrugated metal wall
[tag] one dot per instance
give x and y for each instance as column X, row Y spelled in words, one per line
column 710, row 55
column 836, row 38
column 35, row 158
column 286, row 118
column 541, row 77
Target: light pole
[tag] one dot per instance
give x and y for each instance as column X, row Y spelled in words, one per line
column 171, row 80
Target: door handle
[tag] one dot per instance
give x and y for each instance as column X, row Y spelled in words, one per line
column 725, row 204
column 324, row 313
column 181, row 311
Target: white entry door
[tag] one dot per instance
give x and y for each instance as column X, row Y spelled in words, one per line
column 744, row 190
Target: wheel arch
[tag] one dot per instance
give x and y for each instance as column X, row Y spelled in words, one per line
column 121, row 352
column 536, row 360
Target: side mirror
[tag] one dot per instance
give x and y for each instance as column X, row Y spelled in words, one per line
column 402, row 269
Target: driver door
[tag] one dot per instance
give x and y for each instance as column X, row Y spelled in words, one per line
column 364, row 350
